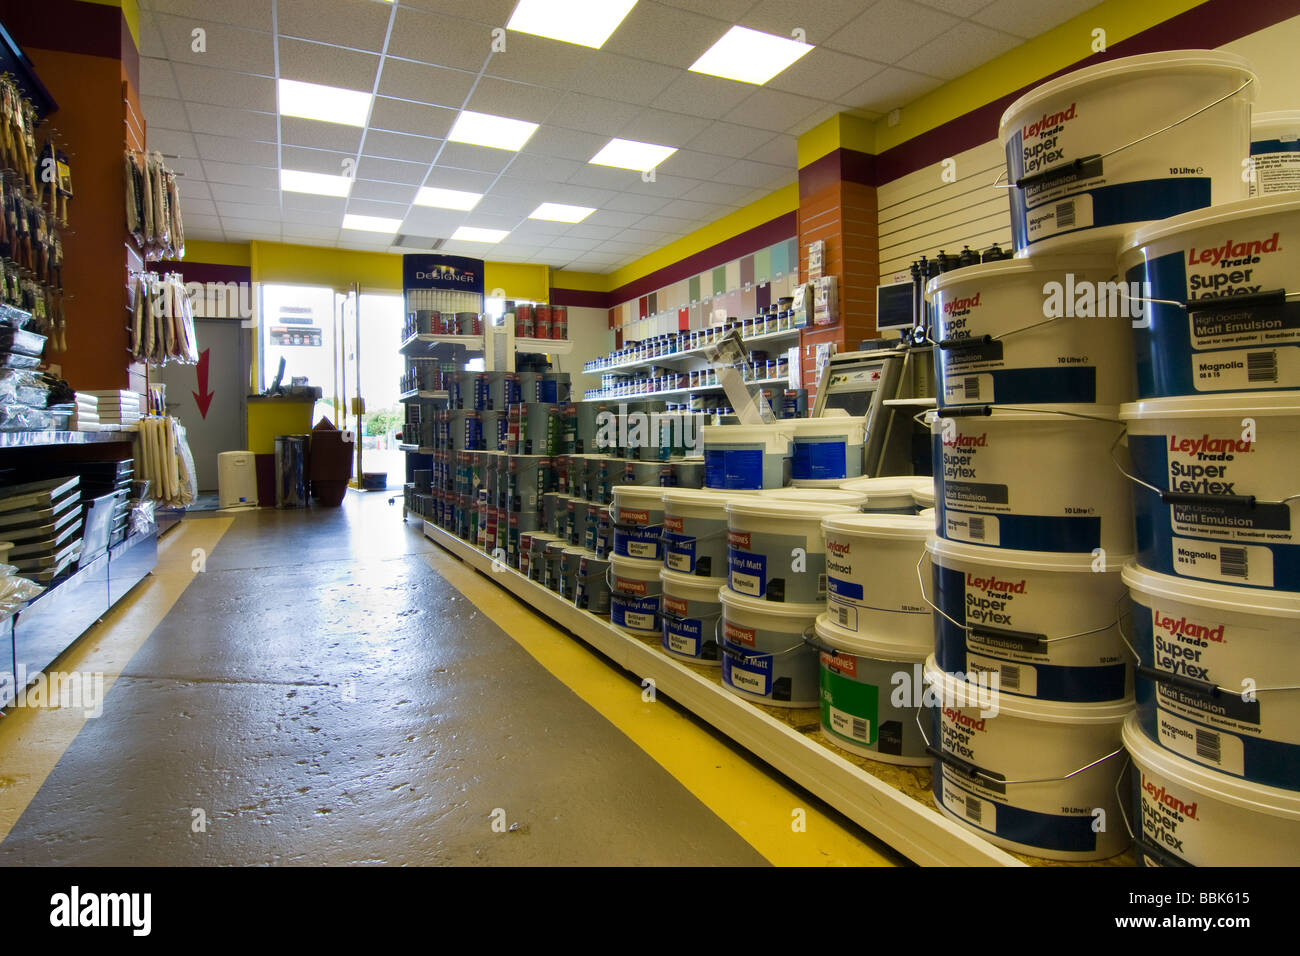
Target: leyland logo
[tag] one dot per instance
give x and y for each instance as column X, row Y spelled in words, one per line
column 109, row 910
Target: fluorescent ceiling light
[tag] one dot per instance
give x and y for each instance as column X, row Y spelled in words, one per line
column 749, row 56
column 629, row 154
column 559, row 212
column 584, row 22
column 496, row 132
column 329, row 104
column 474, row 234
column 446, row 198
column 371, row 223
column 318, row 184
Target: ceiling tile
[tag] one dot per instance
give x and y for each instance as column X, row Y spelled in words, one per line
column 195, row 188
column 824, row 74
column 540, row 231
column 592, row 114
column 667, row 129
column 605, row 177
column 732, row 195
column 372, row 207
column 419, row 119
column 408, row 80
column 818, row 20
column 528, row 189
column 250, row 195
column 626, row 202
column 666, row 224
column 747, row 173
column 889, row 30
column 781, row 150
column 331, row 65
column 574, row 243
column 482, row 220
column 774, row 110
column 579, row 195
column 172, row 142
column 623, row 78
column 693, row 164
column 198, row 84
column 151, row 41
column 478, row 158
column 188, row 168
column 253, row 14
column 958, row 8
column 164, row 112
column 466, row 180
column 440, row 40
column 390, row 170
column 565, row 143
column 249, row 211
column 250, row 230
column 385, row 192
column 667, row 187
column 222, row 121
column 549, row 169
column 960, row 50
column 495, row 12
column 584, row 231
column 890, row 89
column 502, row 205
column 294, row 230
column 204, row 227
column 315, row 135
column 241, row 175
column 697, row 94
column 814, row 118
column 728, row 139
column 413, row 149
column 694, row 211
column 196, row 206
column 438, row 223
column 224, row 47
column 664, row 34
column 327, row 161
column 1028, row 18
column 331, row 216
column 358, row 25
column 536, row 60
column 156, row 78
column 520, row 101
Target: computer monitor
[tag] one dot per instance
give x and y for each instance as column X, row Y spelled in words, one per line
column 896, row 306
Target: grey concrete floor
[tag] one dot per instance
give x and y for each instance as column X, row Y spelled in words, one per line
column 325, row 697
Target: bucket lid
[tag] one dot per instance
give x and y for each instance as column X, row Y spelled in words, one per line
column 751, row 605
column 790, row 509
column 1222, row 597
column 642, row 494
column 831, row 495
column 691, row 587
column 640, row 569
column 543, row 537
column 1019, row 268
column 1275, row 121
column 864, row 646
column 1207, row 60
column 924, row 497
column 1228, row 212
column 1233, row 404
column 881, row 526
column 578, row 550
column 557, row 546
column 846, row 425
column 1030, row 708
column 695, row 503
column 901, row 485
column 1253, row 796
column 1024, row 560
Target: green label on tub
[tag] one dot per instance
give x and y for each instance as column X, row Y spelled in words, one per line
column 849, row 709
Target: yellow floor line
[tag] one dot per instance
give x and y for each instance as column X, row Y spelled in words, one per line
column 33, row 739
column 751, row 801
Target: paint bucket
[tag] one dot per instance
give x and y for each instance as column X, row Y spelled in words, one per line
column 518, row 525
column 575, row 521
column 1275, row 152
column 1012, row 769
column 746, row 457
column 585, row 428
column 861, row 710
column 690, row 611
column 828, row 492
column 524, row 483
column 695, row 531
column 530, row 426
column 538, row 541
column 872, row 588
column 569, row 560
column 891, row 495
column 638, row 517
column 550, row 501
column 553, row 556
column 634, row 595
column 1126, row 141
column 1191, row 815
column 560, row 523
column 1200, row 647
column 826, row 448
column 764, row 657
column 528, row 387
column 923, row 496
column 1046, row 624
column 593, row 585
column 461, row 395
column 604, row 533
column 689, row 473
column 1219, row 320
column 775, row 549
column 641, row 473
column 591, row 526
column 1211, row 477
column 1035, row 479
column 525, row 555
column 1044, row 330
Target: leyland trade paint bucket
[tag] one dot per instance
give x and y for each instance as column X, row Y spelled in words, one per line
column 593, row 585
column 775, row 549
column 690, row 610
column 764, row 657
column 1187, row 814
column 1216, row 489
column 861, row 708
column 746, row 457
column 1275, row 152
column 1048, row 625
column 1013, row 769
column 1043, row 330
column 1126, row 141
column 695, row 531
column 638, row 518
column 891, row 495
column 1219, row 677
column 1032, row 479
column 871, row 577
column 634, row 595
column 1219, row 319
column 826, row 448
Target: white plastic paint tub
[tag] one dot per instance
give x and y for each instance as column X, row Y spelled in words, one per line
column 764, row 657
column 634, row 595
column 746, row 457
column 1224, row 466
column 872, row 590
column 894, row 494
column 1201, row 647
column 638, row 517
column 1219, row 320
column 593, row 585
column 1275, row 152
column 826, row 448
column 1048, row 625
column 1187, row 814
column 775, row 549
column 991, row 747
column 1044, row 330
column 863, row 684
column 1126, row 141
column 690, row 610
column 695, row 530
column 1037, row 479
column 829, row 494
column 923, row 495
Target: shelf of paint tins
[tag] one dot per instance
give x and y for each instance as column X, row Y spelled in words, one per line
column 422, row 395
column 690, row 353
column 784, row 381
column 415, row 449
column 908, row 824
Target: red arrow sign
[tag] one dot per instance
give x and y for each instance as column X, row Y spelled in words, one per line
column 203, row 396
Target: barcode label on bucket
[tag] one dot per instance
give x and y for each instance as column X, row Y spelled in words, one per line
column 976, row 527
column 970, row 385
column 847, row 725
column 1207, row 746
column 1065, row 215
column 1236, row 369
column 1233, row 562
column 1261, row 367
column 845, row 616
column 979, row 529
column 969, row 807
column 1228, row 563
column 1016, row 678
column 1049, row 217
column 1197, row 742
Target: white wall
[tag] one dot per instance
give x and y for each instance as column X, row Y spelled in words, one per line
column 591, row 336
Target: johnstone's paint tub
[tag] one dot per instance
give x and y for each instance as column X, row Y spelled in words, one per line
column 1216, row 487
column 1044, row 330
column 775, row 549
column 746, row 457
column 1032, row 479
column 1185, row 814
column 764, row 657
column 637, row 519
column 695, row 531
column 691, row 612
column 1127, row 141
column 1221, row 317
column 826, row 448
column 1219, row 677
column 864, row 704
column 634, row 595
column 1012, row 769
column 892, row 495
column 871, row 577
column 1046, row 624
column 1275, row 152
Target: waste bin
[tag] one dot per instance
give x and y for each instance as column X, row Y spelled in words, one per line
column 291, row 471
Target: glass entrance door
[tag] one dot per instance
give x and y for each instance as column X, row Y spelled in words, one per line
column 370, row 327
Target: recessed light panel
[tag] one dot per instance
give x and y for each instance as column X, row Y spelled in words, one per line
column 584, row 22
column 329, row 104
column 629, row 154
column 559, row 212
column 474, row 234
column 446, row 198
column 495, row 132
column 318, row 184
column 371, row 223
column 749, row 56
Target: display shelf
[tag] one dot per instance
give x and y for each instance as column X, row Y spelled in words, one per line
column 422, row 344
column 688, row 353
column 547, row 346
column 684, row 391
column 46, row 439
column 415, row 449
column 910, row 826
column 422, row 395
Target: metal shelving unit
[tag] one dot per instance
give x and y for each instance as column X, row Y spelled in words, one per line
column 683, row 391
column 422, row 395
column 786, row 334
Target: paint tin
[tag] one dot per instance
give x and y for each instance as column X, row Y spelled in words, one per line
column 826, row 448
column 638, row 517
column 764, row 657
column 634, row 595
column 593, row 585
column 775, row 549
column 746, row 457
column 690, row 612
column 1275, row 152
column 873, row 590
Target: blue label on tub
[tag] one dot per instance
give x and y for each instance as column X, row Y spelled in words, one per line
column 679, row 552
column 837, row 587
column 734, row 468
column 637, row 541
column 634, row 613
column 682, row 635
column 747, row 572
column 1261, row 146
column 819, row 460
column 1028, row 385
column 1048, row 831
column 746, row 670
column 547, row 391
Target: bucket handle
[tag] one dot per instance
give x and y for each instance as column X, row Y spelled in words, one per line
column 1187, row 497
column 738, row 653
column 1273, row 297
column 1058, row 172
column 964, row 345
